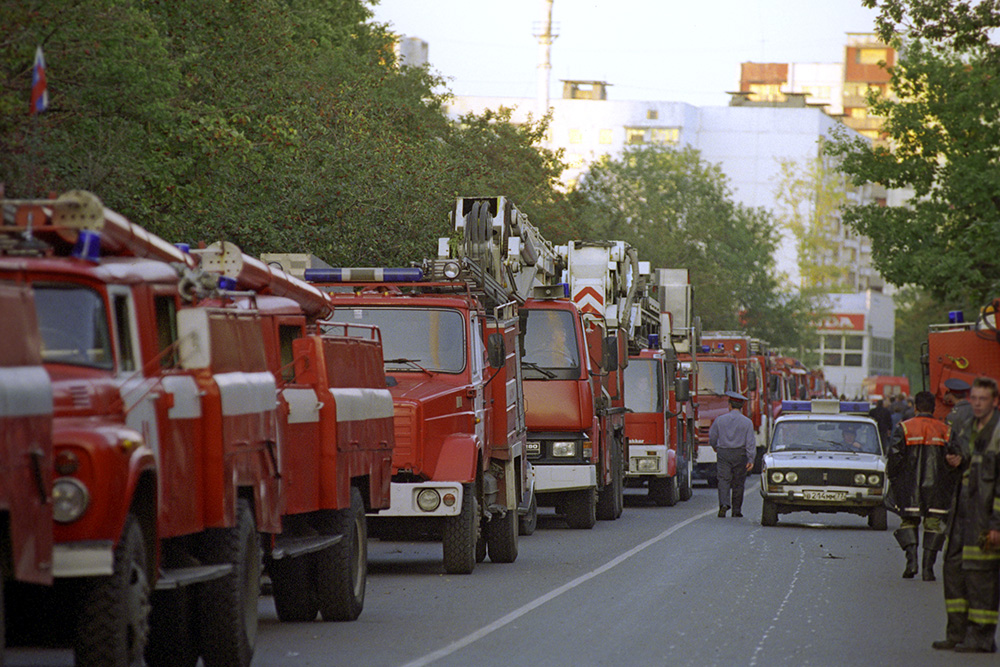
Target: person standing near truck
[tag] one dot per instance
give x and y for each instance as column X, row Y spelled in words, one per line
column 731, row 436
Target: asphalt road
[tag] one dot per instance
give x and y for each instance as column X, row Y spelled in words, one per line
column 661, row 585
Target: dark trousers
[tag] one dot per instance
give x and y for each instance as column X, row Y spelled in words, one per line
column 731, row 470
column 956, row 595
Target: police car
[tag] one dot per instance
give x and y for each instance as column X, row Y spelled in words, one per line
column 825, row 456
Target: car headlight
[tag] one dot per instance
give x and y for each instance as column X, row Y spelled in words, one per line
column 564, row 448
column 70, row 499
column 875, row 480
column 777, row 477
column 791, row 477
column 859, row 479
column 428, row 500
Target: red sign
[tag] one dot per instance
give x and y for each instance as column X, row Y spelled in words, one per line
column 843, row 322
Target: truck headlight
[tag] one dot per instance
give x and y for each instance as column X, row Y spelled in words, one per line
column 69, row 499
column 428, row 500
column 564, row 448
column 647, row 464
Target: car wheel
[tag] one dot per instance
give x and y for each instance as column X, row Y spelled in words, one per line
column 769, row 514
column 878, row 519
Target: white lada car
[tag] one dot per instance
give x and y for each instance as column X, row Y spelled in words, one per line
column 825, row 456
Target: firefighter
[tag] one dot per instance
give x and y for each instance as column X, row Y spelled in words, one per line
column 732, row 438
column 972, row 558
column 921, row 484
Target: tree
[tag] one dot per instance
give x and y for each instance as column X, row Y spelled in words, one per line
column 943, row 143
column 679, row 212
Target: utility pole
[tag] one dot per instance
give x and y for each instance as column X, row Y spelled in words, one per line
column 543, row 32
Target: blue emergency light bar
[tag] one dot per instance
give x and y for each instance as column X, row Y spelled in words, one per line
column 826, row 406
column 365, row 275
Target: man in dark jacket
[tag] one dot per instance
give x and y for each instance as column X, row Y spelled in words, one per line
column 921, row 483
column 883, row 417
column 972, row 559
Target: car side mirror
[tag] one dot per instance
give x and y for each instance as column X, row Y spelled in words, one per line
column 496, row 350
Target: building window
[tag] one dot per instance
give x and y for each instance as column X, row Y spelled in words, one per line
column 852, row 360
column 831, row 359
column 880, row 360
column 604, row 137
column 666, row 136
column 765, row 91
column 575, row 137
column 870, row 56
column 635, row 136
column 859, row 112
column 652, row 114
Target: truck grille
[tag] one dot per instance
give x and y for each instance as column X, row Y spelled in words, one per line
column 824, row 477
column 404, row 427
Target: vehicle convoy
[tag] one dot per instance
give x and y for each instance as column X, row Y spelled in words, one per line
column 717, row 372
column 574, row 349
column 25, row 445
column 168, row 454
column 450, row 334
column 753, row 364
column 961, row 350
column 660, row 418
column 825, row 456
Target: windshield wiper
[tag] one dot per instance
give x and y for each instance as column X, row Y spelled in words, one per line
column 412, row 362
column 535, row 367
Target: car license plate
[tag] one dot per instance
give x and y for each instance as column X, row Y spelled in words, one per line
column 824, row 495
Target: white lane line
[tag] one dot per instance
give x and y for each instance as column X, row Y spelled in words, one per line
column 551, row 595
column 781, row 607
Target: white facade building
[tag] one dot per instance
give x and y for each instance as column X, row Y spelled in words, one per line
column 856, row 339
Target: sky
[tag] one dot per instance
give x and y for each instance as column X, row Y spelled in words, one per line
column 658, row 50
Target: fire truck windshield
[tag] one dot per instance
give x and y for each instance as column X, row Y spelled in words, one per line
column 74, row 326
column 415, row 338
column 548, row 341
column 643, row 380
column 716, row 377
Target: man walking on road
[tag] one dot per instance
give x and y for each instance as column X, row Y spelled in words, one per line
column 972, row 559
column 732, row 438
column 921, row 483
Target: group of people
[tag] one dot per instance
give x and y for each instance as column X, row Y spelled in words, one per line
column 946, row 476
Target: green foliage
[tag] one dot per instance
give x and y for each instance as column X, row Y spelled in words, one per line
column 679, row 212
column 280, row 125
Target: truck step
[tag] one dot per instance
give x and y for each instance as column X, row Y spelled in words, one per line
column 185, row 576
column 290, row 547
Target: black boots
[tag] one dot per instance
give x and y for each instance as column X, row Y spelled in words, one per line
column 933, row 543
column 907, row 538
column 928, row 565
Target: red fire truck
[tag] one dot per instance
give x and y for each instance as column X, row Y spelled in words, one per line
column 716, row 373
column 660, row 417
column 962, row 350
column 25, row 444
column 450, row 335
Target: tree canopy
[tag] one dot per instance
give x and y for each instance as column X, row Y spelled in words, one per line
column 943, row 143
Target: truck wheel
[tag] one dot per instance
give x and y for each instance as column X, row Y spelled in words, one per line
column 769, row 514
column 228, row 606
column 481, row 547
column 501, row 536
column 461, row 534
column 113, row 627
column 581, row 508
column 528, row 522
column 610, row 499
column 341, row 572
column 878, row 519
column 685, row 492
column 172, row 637
column 663, row 491
column 294, row 595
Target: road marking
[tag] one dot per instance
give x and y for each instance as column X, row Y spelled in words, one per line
column 551, row 595
column 781, row 607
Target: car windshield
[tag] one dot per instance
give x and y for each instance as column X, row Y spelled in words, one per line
column 642, row 385
column 415, row 338
column 74, row 326
column 716, row 377
column 821, row 436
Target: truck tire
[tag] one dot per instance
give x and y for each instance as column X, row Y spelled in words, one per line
column 113, row 627
column 228, row 606
column 769, row 514
column 461, row 533
column 878, row 519
column 295, row 597
column 663, row 491
column 528, row 522
column 581, row 508
column 481, row 547
column 172, row 636
column 501, row 537
column 341, row 572
column 684, row 491
column 611, row 499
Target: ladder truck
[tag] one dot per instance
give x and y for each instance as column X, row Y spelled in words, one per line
column 659, row 423
column 449, row 327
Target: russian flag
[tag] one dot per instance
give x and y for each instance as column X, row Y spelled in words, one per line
column 39, row 88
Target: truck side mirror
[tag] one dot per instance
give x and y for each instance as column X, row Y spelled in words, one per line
column 610, row 354
column 682, row 389
column 751, row 380
column 496, row 350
